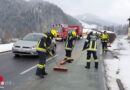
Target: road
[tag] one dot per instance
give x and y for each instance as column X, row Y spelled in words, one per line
column 20, row 70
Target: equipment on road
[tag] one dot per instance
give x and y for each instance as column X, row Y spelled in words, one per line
column 64, row 61
column 58, row 67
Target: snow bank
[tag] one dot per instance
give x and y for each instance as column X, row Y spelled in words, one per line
column 119, row 66
column 89, row 26
column 6, row 47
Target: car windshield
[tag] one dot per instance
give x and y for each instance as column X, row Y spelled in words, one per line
column 32, row 37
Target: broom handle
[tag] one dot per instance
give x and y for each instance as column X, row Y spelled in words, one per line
column 56, row 63
column 54, row 59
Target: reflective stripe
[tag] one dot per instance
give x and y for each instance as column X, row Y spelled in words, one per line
column 44, row 35
column 91, row 49
column 95, row 45
column 96, row 60
column 41, row 66
column 87, row 40
column 105, row 49
column 88, row 60
column 40, row 49
column 44, row 44
column 68, row 48
column 68, row 57
column 92, row 46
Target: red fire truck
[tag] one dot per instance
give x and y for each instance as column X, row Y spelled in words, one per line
column 64, row 30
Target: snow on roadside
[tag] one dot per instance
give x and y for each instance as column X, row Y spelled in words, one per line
column 119, row 66
column 85, row 25
column 6, row 47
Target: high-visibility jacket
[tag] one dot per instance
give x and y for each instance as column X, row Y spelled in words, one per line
column 90, row 43
column 104, row 37
column 69, row 42
column 45, row 42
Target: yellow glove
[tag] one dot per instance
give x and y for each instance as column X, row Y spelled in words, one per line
column 50, row 53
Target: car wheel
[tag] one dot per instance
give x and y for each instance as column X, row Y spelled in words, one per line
column 16, row 55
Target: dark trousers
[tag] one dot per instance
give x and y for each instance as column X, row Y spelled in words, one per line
column 68, row 54
column 42, row 62
column 89, row 55
column 104, row 45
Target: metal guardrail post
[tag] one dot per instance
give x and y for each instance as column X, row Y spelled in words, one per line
column 121, row 87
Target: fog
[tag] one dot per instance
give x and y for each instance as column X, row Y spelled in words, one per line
column 116, row 11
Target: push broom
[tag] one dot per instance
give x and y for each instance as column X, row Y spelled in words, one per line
column 58, row 67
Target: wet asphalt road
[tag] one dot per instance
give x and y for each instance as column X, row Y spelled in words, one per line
column 11, row 67
column 77, row 77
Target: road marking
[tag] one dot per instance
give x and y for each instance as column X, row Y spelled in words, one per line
column 31, row 68
column 5, row 53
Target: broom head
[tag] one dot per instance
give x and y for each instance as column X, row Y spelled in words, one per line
column 62, row 69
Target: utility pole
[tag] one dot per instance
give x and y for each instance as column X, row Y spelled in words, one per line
column 129, row 29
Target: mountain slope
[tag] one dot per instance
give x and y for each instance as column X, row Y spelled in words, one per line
column 18, row 17
column 93, row 19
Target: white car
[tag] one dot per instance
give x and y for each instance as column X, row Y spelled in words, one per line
column 27, row 46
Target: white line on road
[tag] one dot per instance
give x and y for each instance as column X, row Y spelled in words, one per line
column 31, row 68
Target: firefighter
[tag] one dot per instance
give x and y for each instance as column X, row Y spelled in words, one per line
column 43, row 48
column 91, row 46
column 69, row 44
column 104, row 40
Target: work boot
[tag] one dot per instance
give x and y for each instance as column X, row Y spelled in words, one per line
column 38, row 73
column 69, row 61
column 65, row 59
column 88, row 65
column 41, row 76
column 44, row 72
column 96, row 65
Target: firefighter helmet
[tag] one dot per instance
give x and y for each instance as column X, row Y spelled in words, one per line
column 54, row 33
column 74, row 33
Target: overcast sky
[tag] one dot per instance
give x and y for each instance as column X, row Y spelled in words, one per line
column 116, row 11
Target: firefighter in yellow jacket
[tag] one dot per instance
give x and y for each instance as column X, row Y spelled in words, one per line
column 69, row 44
column 91, row 46
column 104, row 40
column 43, row 48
